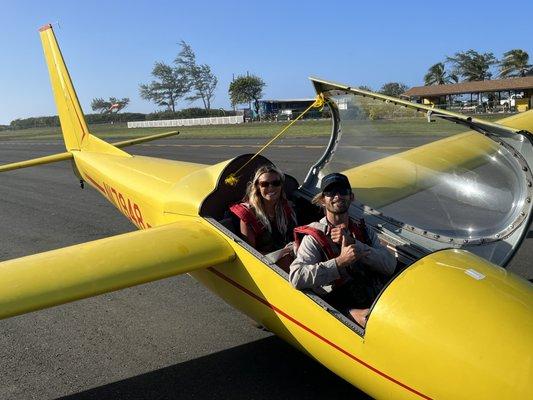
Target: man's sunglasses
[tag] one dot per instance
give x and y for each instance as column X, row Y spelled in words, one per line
column 341, row 191
column 265, row 184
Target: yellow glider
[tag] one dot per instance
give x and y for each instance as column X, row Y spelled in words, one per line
column 433, row 331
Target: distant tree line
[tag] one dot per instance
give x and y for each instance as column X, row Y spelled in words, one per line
column 394, row 89
column 186, row 79
column 189, row 113
column 53, row 121
column 471, row 65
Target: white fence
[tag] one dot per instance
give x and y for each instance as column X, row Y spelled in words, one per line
column 238, row 119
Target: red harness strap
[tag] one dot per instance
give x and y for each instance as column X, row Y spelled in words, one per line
column 358, row 230
column 246, row 215
column 288, row 211
column 318, row 235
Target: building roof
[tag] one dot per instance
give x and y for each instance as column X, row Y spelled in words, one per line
column 496, row 85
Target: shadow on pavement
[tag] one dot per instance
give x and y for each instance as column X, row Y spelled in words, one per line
column 264, row 369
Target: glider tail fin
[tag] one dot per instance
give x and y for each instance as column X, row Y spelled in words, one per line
column 73, row 125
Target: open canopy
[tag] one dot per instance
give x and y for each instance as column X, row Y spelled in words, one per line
column 437, row 178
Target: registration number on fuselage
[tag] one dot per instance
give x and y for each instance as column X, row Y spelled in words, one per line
column 128, row 207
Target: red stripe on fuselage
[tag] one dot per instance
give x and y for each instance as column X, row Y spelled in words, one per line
column 96, row 184
column 306, row 328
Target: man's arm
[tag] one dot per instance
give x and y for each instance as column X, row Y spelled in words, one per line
column 308, row 270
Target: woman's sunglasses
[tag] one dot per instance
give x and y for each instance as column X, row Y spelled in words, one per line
column 265, row 184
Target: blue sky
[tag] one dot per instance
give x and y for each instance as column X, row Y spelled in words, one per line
column 110, row 46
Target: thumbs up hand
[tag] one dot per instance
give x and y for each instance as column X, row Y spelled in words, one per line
column 338, row 232
column 348, row 254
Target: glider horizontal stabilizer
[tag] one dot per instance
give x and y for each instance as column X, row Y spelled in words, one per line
column 36, row 161
column 68, row 155
column 84, row 270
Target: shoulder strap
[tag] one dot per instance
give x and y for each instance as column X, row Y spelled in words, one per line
column 290, row 217
column 245, row 214
column 358, row 229
column 287, row 210
column 318, row 235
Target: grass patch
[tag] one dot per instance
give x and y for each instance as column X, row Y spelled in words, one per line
column 266, row 130
column 306, row 128
column 407, row 126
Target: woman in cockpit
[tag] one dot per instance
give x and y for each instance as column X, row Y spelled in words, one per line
column 267, row 219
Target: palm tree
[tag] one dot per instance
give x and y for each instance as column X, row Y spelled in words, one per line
column 437, row 75
column 515, row 63
column 473, row 66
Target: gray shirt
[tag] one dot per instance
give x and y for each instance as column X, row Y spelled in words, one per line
column 309, row 271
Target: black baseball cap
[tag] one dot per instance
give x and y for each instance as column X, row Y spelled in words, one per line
column 336, row 179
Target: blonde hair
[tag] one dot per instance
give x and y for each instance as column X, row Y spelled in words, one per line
column 318, row 200
column 254, row 198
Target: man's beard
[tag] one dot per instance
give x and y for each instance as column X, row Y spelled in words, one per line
column 338, row 208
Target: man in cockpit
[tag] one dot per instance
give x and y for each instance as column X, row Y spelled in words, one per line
column 339, row 258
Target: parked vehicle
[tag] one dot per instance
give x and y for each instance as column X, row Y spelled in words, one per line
column 511, row 101
column 284, row 115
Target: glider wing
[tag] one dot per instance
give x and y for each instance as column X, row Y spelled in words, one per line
column 84, row 270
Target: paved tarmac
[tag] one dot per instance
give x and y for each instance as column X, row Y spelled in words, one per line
column 170, row 339
column 164, row 340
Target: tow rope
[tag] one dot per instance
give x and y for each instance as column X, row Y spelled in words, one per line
column 233, row 178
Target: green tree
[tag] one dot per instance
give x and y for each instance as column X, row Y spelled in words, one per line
column 393, row 89
column 364, row 87
column 246, row 89
column 201, row 80
column 437, row 75
column 169, row 86
column 106, row 107
column 117, row 105
column 515, row 63
column 100, row 105
column 472, row 66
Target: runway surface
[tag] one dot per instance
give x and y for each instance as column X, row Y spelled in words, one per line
column 164, row 340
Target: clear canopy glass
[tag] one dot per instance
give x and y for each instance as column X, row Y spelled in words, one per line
column 427, row 174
